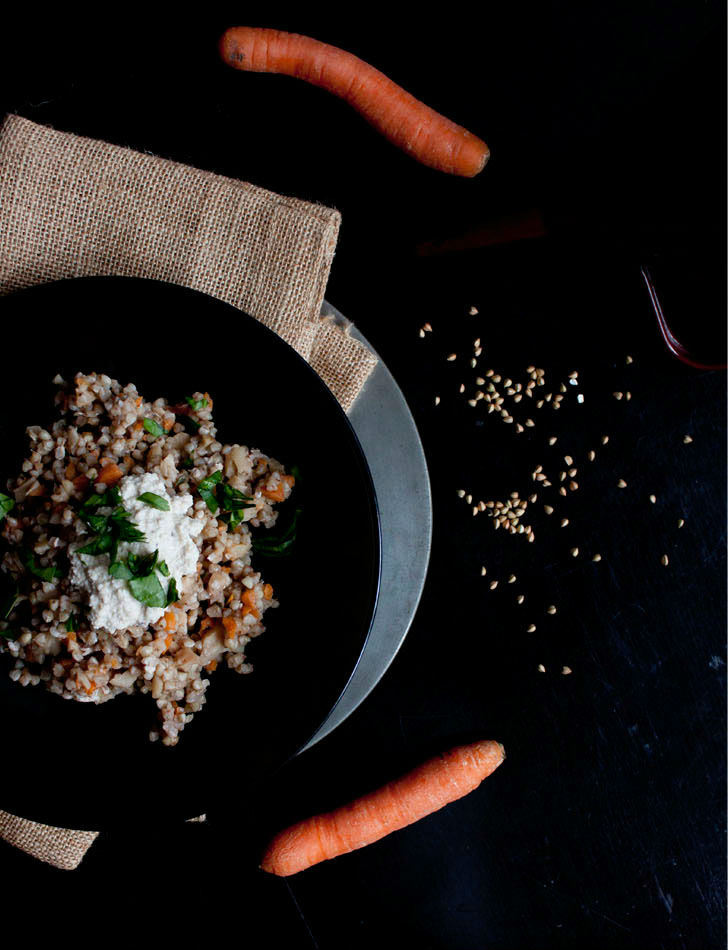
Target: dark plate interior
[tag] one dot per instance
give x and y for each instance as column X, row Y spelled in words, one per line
column 88, row 766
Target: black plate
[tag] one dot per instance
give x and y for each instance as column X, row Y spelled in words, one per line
column 86, row 766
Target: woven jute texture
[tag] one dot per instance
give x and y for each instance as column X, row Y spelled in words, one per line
column 76, row 207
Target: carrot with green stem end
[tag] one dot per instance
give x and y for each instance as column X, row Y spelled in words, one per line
column 408, row 123
column 426, row 789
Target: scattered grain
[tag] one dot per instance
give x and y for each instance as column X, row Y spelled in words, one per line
column 605, row 439
column 461, row 493
column 483, row 571
column 520, row 598
column 629, row 360
column 552, row 440
column 681, row 522
column 451, row 357
column 422, row 333
column 687, row 439
column 551, row 610
column 541, row 668
column 574, row 552
column 565, row 670
column 592, row 455
column 427, row 327
column 653, row 499
column 493, row 585
column 597, row 557
column 512, row 579
column 548, row 509
column 564, row 522
column 621, row 483
column 664, row 560
column 473, row 311
column 531, row 628
column 437, row 400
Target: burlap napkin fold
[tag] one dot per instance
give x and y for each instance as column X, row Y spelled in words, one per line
column 76, row 207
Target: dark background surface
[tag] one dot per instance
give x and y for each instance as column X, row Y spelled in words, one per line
column 606, row 825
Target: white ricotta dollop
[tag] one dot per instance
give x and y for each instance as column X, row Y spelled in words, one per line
column 172, row 533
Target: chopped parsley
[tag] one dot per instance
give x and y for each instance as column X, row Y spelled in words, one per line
column 148, row 591
column 152, row 427
column 9, row 603
column 172, row 594
column 44, row 573
column 189, row 462
column 223, row 498
column 163, row 569
column 10, row 634
column 154, row 500
column 196, row 403
column 71, row 624
column 6, row 504
column 206, row 488
column 109, row 529
column 279, row 545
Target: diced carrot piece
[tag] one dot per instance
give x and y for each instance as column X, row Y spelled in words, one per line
column 170, row 620
column 70, row 638
column 37, row 491
column 110, row 474
column 231, row 627
column 247, row 609
column 211, row 666
column 249, row 597
column 80, row 482
column 139, row 401
column 168, row 642
column 167, row 424
column 137, row 426
column 206, row 622
column 275, row 494
column 268, row 591
column 289, row 480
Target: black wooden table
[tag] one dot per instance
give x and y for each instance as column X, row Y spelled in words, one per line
column 605, row 827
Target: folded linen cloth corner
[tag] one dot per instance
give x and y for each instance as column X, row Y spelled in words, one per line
column 72, row 206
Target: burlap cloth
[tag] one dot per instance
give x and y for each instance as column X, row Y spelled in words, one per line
column 76, row 207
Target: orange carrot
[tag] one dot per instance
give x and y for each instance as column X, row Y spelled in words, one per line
column 268, row 591
column 427, row 788
column 170, row 621
column 110, row 474
column 231, row 627
column 408, row 123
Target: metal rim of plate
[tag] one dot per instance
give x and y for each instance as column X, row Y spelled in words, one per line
column 386, row 430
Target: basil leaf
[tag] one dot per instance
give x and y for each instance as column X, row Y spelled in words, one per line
column 206, row 488
column 44, row 573
column 6, row 504
column 189, row 462
column 120, row 570
column 163, row 569
column 195, row 403
column 172, row 594
column 154, row 501
column 71, row 623
column 148, row 591
column 152, row 427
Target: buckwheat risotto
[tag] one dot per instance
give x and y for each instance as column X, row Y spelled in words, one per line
column 128, row 550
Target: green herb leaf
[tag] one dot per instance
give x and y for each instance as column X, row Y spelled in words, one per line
column 113, row 494
column 142, row 565
column 152, row 427
column 44, row 573
column 100, row 545
column 163, row 569
column 71, row 623
column 154, row 501
column 281, row 545
column 10, row 603
column 127, row 531
column 206, row 488
column 195, row 403
column 189, row 462
column 10, row 634
column 172, row 594
column 148, row 591
column 190, row 424
column 6, row 504
column 120, row 570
